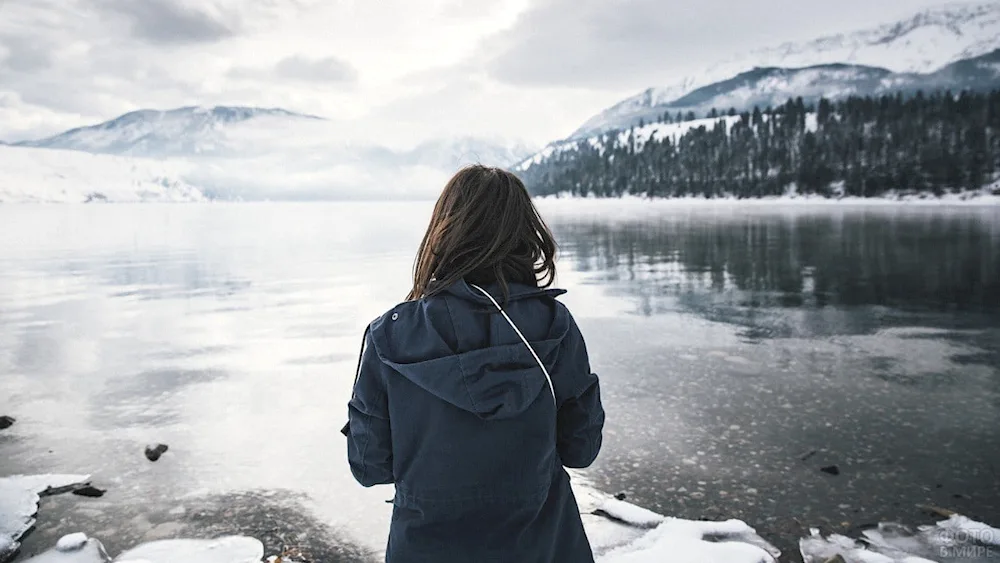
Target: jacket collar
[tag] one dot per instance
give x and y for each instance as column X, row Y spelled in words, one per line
column 463, row 290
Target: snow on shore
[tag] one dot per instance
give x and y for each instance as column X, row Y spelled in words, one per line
column 19, row 496
column 64, row 176
column 620, row 532
column 572, row 203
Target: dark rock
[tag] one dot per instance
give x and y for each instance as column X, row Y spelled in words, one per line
column 89, row 491
column 153, row 453
column 6, row 422
column 830, row 469
column 620, row 496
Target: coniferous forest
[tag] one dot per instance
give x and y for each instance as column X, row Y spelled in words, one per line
column 858, row 146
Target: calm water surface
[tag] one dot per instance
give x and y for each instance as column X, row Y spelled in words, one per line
column 740, row 350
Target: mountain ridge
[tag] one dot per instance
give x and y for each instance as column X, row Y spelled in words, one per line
column 245, row 153
column 922, row 43
column 771, row 86
column 153, row 132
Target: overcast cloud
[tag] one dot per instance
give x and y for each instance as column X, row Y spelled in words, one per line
column 171, row 21
column 634, row 44
column 398, row 71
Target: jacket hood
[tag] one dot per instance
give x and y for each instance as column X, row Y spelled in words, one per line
column 495, row 381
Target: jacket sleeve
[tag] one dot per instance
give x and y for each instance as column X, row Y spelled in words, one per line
column 580, row 421
column 369, row 442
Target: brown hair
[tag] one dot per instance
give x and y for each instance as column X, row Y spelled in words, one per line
column 484, row 229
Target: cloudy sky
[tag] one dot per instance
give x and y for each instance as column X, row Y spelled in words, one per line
column 400, row 70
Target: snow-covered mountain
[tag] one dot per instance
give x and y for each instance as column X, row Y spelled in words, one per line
column 187, row 131
column 244, row 131
column 254, row 153
column 770, row 87
column 62, row 176
column 923, row 44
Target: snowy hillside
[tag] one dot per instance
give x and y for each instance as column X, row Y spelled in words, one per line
column 770, row 87
column 923, row 43
column 51, row 176
column 252, row 154
column 241, row 132
column 182, row 131
column 639, row 135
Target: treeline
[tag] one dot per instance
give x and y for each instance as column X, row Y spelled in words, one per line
column 858, row 146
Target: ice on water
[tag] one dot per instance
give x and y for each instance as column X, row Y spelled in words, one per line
column 957, row 539
column 78, row 548
column 620, row 532
column 74, row 548
column 19, row 496
column 687, row 541
column 232, row 549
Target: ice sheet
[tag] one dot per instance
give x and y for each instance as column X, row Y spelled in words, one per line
column 956, row 539
column 19, row 496
column 231, row 549
column 74, row 551
column 687, row 541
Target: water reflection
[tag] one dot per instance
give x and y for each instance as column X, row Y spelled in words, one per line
column 765, row 344
column 784, row 274
column 755, row 337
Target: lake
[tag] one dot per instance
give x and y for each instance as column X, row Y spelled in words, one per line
column 742, row 349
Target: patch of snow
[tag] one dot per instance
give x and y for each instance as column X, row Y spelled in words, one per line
column 7, row 547
column 619, row 532
column 72, row 542
column 957, row 538
column 231, row 549
column 958, row 526
column 19, row 496
column 630, row 513
column 688, row 541
column 63, row 176
column 91, row 552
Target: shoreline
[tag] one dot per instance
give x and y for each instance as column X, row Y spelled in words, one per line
column 962, row 200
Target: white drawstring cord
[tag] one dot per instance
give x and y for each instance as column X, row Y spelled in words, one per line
column 523, row 339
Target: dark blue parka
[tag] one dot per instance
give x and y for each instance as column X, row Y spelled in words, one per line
column 450, row 406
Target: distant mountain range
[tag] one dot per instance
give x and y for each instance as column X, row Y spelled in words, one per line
column 952, row 47
column 231, row 152
column 701, row 138
column 245, row 153
column 186, row 131
column 773, row 86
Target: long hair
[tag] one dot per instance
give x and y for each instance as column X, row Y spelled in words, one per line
column 484, row 229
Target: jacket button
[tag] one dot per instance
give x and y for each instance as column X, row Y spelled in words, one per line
column 395, row 316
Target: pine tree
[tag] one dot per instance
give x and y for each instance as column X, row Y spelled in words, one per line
column 870, row 146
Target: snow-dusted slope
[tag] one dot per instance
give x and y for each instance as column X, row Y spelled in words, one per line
column 242, row 132
column 769, row 87
column 182, row 131
column 39, row 175
column 922, row 43
column 237, row 153
column 639, row 135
